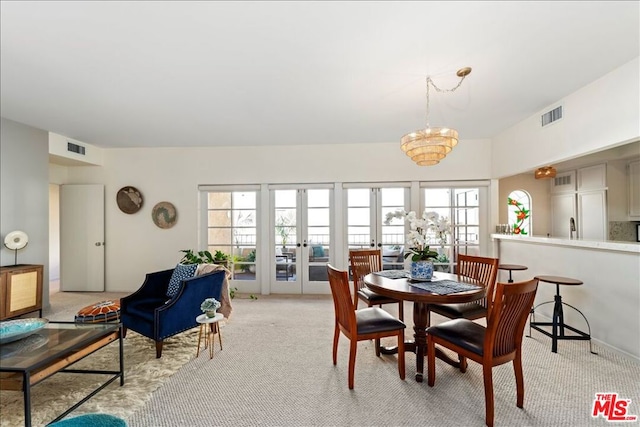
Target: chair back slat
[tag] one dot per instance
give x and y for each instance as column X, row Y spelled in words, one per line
column 363, row 262
column 481, row 269
column 342, row 302
column 505, row 324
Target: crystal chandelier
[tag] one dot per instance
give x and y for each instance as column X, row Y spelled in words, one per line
column 428, row 146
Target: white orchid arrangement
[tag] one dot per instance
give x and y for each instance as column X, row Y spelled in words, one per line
column 417, row 238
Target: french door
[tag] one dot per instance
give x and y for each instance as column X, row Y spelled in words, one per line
column 366, row 211
column 462, row 218
column 301, row 241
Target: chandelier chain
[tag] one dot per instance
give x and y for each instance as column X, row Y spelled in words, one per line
column 430, row 82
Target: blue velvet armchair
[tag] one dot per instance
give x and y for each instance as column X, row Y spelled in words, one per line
column 150, row 312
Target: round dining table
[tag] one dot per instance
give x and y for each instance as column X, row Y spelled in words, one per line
column 401, row 289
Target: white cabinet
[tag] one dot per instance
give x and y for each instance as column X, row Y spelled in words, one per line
column 634, row 190
column 581, row 195
column 592, row 178
column 592, row 215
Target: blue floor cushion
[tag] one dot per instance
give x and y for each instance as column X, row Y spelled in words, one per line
column 91, row 420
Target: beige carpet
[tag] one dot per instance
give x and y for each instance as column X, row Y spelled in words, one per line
column 276, row 370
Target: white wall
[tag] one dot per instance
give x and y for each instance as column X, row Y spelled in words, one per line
column 24, row 194
column 135, row 246
column 603, row 114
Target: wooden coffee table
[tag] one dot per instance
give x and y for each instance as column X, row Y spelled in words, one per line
column 52, row 349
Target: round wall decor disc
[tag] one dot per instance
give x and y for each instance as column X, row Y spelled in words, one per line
column 16, row 240
column 164, row 215
column 129, row 200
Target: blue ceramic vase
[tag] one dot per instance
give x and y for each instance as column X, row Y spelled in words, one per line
column 421, row 270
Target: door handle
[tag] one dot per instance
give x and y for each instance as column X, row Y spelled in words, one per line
column 98, row 244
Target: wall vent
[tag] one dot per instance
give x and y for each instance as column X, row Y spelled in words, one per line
column 75, row 148
column 562, row 180
column 552, row 116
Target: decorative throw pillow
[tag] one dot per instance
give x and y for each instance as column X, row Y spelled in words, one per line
column 180, row 273
column 318, row 251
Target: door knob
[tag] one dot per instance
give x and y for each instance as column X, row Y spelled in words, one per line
column 98, row 243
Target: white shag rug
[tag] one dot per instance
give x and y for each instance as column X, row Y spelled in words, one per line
column 143, row 375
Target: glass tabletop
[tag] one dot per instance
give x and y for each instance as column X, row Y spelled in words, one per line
column 52, row 342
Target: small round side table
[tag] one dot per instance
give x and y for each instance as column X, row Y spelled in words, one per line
column 210, row 327
column 557, row 324
column 510, row 268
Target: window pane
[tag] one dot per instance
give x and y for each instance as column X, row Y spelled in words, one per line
column 456, row 230
column 318, row 198
column 219, row 200
column 286, row 198
column 519, row 208
column 437, row 197
column 232, row 229
column 358, row 197
column 392, row 196
column 466, row 197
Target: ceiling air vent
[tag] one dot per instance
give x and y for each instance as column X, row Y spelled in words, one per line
column 552, row 116
column 75, row 148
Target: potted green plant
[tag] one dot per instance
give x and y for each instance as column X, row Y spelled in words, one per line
column 201, row 257
column 204, row 257
column 251, row 257
column 283, row 228
column 209, row 306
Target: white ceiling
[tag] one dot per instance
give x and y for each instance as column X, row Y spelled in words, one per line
column 170, row 74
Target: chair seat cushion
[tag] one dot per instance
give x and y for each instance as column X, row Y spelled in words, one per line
column 145, row 308
column 373, row 298
column 461, row 332
column 460, row 311
column 374, row 319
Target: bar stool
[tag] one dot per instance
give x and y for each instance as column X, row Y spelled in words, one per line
column 557, row 324
column 511, row 267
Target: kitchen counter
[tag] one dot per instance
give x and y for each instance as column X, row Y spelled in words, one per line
column 609, row 245
column 609, row 297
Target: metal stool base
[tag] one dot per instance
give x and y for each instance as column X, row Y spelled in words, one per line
column 557, row 325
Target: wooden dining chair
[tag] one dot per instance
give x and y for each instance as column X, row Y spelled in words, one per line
column 483, row 271
column 363, row 262
column 500, row 342
column 358, row 325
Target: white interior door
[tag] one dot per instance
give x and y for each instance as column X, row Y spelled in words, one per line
column 82, row 238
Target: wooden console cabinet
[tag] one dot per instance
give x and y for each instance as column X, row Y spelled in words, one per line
column 20, row 290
